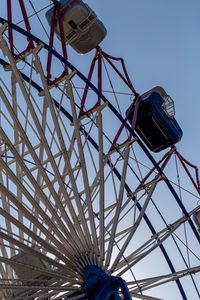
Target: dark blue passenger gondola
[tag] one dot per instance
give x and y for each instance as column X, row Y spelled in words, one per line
column 156, row 124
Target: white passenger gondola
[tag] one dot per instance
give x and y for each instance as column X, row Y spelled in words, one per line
column 82, row 29
column 197, row 219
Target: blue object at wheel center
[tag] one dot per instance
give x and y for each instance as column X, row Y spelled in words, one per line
column 101, row 286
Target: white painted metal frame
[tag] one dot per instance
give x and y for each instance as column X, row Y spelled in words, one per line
column 60, row 200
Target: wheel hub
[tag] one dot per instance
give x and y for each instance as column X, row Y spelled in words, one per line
column 101, row 286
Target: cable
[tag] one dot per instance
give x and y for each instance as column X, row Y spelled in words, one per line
column 36, row 13
column 30, row 16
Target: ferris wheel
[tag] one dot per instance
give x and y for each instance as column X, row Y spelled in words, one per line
column 88, row 210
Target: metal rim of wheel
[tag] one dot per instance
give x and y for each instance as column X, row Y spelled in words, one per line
column 73, row 198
